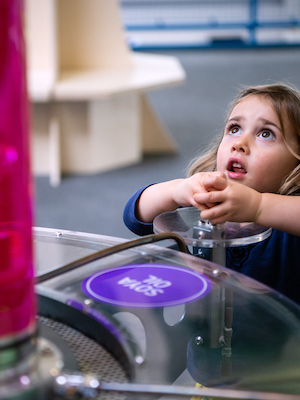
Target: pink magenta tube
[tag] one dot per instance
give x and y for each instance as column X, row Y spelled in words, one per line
column 17, row 300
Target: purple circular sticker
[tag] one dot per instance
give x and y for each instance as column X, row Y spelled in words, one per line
column 146, row 285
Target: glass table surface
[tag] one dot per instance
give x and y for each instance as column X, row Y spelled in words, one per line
column 173, row 320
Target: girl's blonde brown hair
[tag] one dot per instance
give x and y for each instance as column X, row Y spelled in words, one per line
column 286, row 103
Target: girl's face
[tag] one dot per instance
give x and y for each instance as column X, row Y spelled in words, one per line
column 253, row 151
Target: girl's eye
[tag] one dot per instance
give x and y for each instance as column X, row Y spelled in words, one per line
column 234, row 130
column 266, row 134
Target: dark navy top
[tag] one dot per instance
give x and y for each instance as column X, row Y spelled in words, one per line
column 275, row 261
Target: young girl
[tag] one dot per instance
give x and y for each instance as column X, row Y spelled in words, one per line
column 251, row 174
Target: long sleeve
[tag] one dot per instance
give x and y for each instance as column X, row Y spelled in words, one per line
column 129, row 216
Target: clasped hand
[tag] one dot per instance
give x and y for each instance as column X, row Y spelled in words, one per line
column 219, row 199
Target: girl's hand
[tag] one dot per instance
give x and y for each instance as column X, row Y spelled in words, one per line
column 168, row 196
column 233, row 201
column 186, row 189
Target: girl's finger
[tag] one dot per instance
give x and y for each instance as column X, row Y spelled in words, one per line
column 214, row 183
column 214, row 197
column 213, row 216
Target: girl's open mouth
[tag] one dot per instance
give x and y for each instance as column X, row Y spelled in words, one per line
column 235, row 169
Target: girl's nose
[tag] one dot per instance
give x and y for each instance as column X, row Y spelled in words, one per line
column 241, row 144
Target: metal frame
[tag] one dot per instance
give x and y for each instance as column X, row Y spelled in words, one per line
column 251, row 26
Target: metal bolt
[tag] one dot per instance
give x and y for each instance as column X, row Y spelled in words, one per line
column 88, row 302
column 201, row 235
column 199, row 340
column 139, row 360
column 200, row 253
